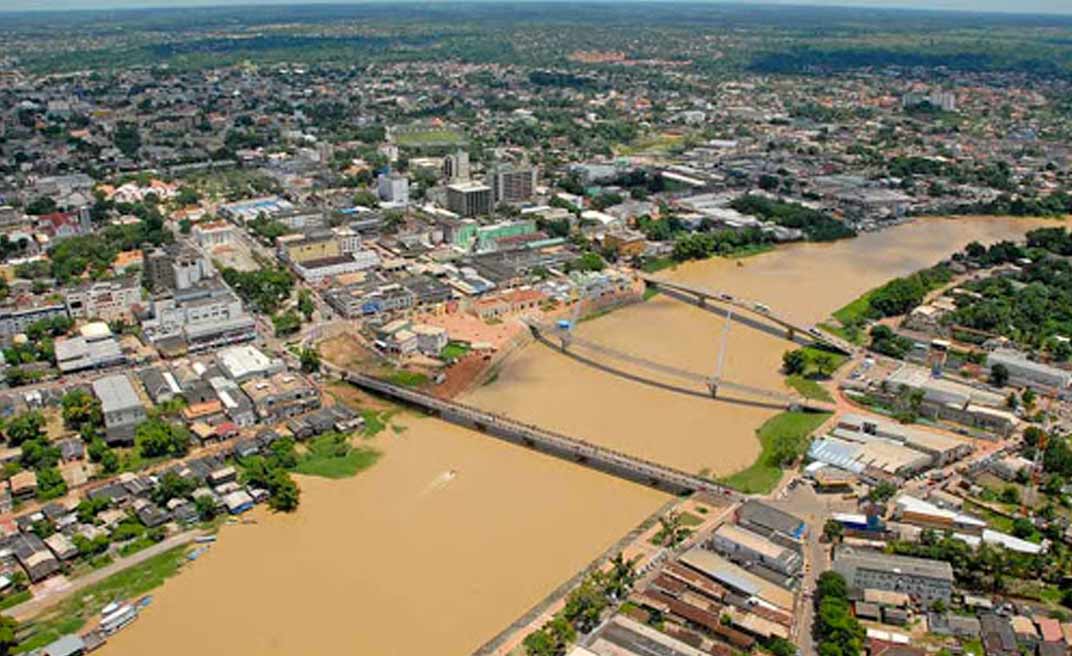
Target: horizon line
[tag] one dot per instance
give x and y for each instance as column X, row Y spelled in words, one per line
column 892, row 6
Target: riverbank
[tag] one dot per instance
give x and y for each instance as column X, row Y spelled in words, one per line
column 80, row 605
column 783, row 439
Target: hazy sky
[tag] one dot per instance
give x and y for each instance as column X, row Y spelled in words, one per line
column 1019, row 6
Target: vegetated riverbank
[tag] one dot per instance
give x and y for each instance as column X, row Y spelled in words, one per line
column 783, row 439
column 79, row 610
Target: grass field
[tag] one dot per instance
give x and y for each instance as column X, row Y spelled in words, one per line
column 763, row 475
column 72, row 614
column 430, row 137
column 809, row 389
column 853, row 335
column 453, row 351
column 407, row 378
column 656, row 264
column 332, row 456
column 652, row 143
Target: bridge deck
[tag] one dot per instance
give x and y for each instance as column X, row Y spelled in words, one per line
column 754, row 307
column 783, row 398
column 639, row 468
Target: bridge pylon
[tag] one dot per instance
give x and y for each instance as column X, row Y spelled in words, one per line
column 790, row 334
column 712, row 387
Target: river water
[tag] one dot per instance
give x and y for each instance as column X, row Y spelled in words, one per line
column 408, row 558
column 805, row 282
column 404, row 558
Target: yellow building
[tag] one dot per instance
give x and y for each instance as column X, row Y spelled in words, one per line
column 305, row 249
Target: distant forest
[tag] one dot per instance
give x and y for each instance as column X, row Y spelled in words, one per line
column 758, row 38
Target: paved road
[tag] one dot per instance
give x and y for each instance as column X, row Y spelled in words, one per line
column 31, row 608
column 814, row 509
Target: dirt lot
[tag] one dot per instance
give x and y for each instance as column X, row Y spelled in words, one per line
column 345, row 351
column 354, row 398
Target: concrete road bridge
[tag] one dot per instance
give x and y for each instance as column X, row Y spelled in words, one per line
column 703, row 297
column 564, row 446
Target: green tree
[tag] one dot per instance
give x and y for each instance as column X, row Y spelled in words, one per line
column 8, row 642
column 882, row 492
column 310, row 360
column 794, row 362
column 833, row 530
column 155, row 438
column 587, row 262
column 305, row 304
column 25, row 427
column 206, row 508
column 81, row 408
column 366, row 199
column 99, row 452
column 50, row 484
column 39, row 454
column 999, row 375
column 172, row 486
column 285, row 494
column 287, row 323
column 824, row 362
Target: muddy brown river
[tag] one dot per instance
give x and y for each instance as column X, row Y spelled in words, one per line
column 406, row 558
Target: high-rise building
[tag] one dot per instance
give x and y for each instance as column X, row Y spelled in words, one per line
column 393, row 188
column 456, row 166
column 512, row 184
column 944, row 100
column 469, row 198
column 175, row 267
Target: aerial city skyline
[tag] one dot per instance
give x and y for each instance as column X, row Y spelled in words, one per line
column 536, row 329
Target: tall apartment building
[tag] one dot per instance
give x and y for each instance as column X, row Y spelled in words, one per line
column 469, row 199
column 456, row 166
column 393, row 188
column 510, row 184
column 174, row 267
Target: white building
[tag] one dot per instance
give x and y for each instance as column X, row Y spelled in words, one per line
column 315, row 271
column 121, row 407
column 105, row 299
column 216, row 233
column 203, row 317
column 430, row 339
column 393, row 188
